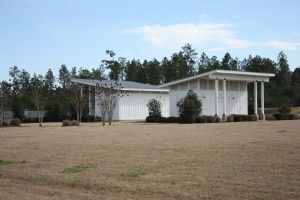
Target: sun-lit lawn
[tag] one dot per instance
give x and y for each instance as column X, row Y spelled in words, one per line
column 253, row 160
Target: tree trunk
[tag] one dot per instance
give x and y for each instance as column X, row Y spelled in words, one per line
column 78, row 120
column 103, row 118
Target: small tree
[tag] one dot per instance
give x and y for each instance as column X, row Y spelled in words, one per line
column 154, row 108
column 39, row 96
column 107, row 97
column 189, row 107
column 4, row 95
column 75, row 94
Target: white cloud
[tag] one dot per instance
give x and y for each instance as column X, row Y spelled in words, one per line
column 203, row 16
column 195, row 34
column 283, row 45
column 237, row 16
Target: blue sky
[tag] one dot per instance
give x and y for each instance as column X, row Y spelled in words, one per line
column 40, row 34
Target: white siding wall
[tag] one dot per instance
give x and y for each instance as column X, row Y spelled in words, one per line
column 236, row 98
column 134, row 105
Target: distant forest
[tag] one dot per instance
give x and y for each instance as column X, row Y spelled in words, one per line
column 284, row 88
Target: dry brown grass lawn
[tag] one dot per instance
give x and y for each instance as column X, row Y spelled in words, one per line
column 253, row 160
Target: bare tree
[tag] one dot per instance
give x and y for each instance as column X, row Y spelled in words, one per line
column 77, row 100
column 40, row 96
column 4, row 95
column 107, row 97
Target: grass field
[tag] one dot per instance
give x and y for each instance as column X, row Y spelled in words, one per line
column 253, row 160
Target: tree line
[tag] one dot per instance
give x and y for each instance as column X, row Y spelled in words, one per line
column 283, row 88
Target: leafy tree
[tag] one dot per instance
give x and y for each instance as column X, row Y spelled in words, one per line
column 14, row 73
column 113, row 66
column 154, row 108
column 154, row 72
column 203, row 63
column 49, row 79
column 296, row 77
column 64, row 77
column 189, row 107
column 4, row 95
column 132, row 70
column 84, row 73
column 283, row 74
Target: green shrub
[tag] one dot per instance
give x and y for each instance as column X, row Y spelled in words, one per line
column 201, row 119
column 189, row 107
column 240, row 118
column 162, row 120
column 210, row 119
column 28, row 120
column 252, row 118
column 173, row 119
column 154, row 108
column 151, row 119
column 280, row 116
column 217, row 119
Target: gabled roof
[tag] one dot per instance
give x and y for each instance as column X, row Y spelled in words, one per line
column 128, row 85
column 224, row 74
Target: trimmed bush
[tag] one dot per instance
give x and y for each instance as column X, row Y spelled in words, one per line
column 15, row 122
column 280, row 116
column 173, row 119
column 210, row 119
column 240, row 118
column 66, row 122
column 253, row 118
column 217, row 119
column 270, row 118
column 162, row 120
column 5, row 123
column 292, row 117
column 28, row 120
column 201, row 119
column 74, row 123
column 150, row 119
column 230, row 118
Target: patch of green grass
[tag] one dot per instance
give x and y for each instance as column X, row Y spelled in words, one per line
column 78, row 168
column 282, row 131
column 135, row 174
column 4, row 162
column 2, row 171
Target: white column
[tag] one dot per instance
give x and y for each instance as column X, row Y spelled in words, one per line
column 90, row 101
column 224, row 99
column 216, row 97
column 262, row 100
column 255, row 97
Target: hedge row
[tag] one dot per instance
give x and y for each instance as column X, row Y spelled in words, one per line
column 87, row 118
column 199, row 119
column 13, row 122
column 280, row 116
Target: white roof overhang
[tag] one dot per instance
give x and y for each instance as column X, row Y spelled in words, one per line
column 224, row 74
